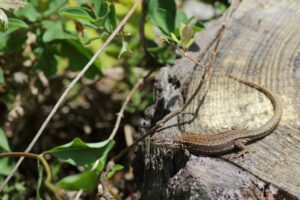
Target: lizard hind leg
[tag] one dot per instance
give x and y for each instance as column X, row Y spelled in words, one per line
column 240, row 143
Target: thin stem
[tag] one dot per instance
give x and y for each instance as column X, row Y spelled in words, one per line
column 40, row 158
column 125, row 103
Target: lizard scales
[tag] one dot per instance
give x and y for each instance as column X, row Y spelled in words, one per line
column 223, row 142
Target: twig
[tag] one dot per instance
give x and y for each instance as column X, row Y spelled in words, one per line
column 48, row 180
column 125, row 103
column 70, row 86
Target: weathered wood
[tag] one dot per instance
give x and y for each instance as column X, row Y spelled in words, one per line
column 261, row 45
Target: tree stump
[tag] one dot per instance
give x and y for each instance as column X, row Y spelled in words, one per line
column 261, row 44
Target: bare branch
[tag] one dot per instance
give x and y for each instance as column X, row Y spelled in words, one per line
column 128, row 98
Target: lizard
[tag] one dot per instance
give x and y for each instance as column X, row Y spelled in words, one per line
column 224, row 142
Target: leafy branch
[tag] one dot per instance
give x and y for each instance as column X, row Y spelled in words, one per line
column 69, row 87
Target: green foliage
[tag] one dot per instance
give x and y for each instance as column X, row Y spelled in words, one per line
column 5, row 164
column 85, row 181
column 91, row 155
column 176, row 27
column 16, row 23
column 162, row 13
column 114, row 170
column 3, row 142
column 78, row 152
column 77, row 14
column 40, row 182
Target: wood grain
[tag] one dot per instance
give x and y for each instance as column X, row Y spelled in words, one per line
column 262, row 45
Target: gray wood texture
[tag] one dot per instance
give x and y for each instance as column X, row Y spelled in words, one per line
column 262, row 45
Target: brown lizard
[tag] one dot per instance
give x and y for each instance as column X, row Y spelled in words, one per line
column 223, row 142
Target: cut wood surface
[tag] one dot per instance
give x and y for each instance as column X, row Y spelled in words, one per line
column 262, row 45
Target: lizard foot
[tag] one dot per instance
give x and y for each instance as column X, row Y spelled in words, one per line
column 241, row 153
column 241, row 145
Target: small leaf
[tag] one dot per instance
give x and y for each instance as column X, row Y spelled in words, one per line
column 115, row 169
column 162, row 13
column 85, row 181
column 186, row 36
column 1, row 82
column 181, row 18
column 11, row 4
column 76, row 14
column 102, row 160
column 3, row 21
column 78, row 56
column 5, row 165
column 111, row 22
column 55, row 31
column 28, row 12
column 3, row 141
column 78, row 152
column 101, row 7
column 16, row 23
column 174, row 38
column 47, row 61
column 39, row 183
column 54, row 6
column 199, row 26
column 124, row 49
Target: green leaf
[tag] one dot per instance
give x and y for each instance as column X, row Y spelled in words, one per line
column 5, row 166
column 54, row 6
column 111, row 22
column 28, row 12
column 1, row 82
column 181, row 18
column 115, row 169
column 78, row 152
column 76, row 14
column 3, row 141
column 199, row 26
column 3, row 21
column 16, row 23
column 47, row 61
column 85, row 181
column 124, row 49
column 102, row 13
column 186, row 36
column 103, row 159
column 78, row 56
column 55, row 31
column 39, row 183
column 174, row 38
column 101, row 7
column 162, row 13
